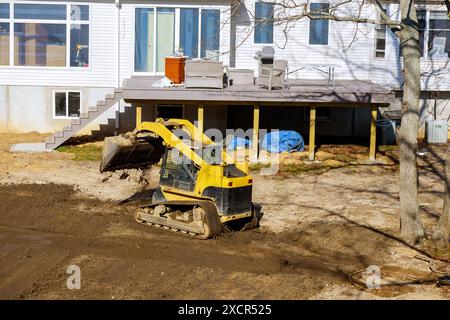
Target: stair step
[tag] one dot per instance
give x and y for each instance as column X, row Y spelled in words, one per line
column 76, row 121
column 50, row 140
column 110, row 101
column 84, row 119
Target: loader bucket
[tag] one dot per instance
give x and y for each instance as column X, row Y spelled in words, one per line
column 124, row 153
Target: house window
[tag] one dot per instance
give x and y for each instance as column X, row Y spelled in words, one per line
column 40, row 44
column 439, row 35
column 434, row 35
column 380, row 39
column 4, row 44
column 210, row 39
column 4, row 10
column 421, row 19
column 67, row 104
column 45, row 35
column 165, row 35
column 263, row 22
column 4, row 34
column 318, row 28
column 40, row 11
column 79, row 36
column 79, row 12
column 198, row 35
column 189, row 26
column 144, row 38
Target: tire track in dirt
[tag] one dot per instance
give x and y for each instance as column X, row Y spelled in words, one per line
column 45, row 228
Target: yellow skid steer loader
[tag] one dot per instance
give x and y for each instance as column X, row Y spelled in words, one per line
column 202, row 189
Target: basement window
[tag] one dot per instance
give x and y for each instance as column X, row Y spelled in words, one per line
column 322, row 114
column 66, row 104
column 167, row 111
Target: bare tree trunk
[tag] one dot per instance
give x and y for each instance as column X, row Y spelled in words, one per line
column 443, row 232
column 411, row 226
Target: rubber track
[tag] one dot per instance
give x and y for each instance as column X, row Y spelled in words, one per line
column 211, row 217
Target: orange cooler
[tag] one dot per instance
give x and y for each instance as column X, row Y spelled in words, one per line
column 174, row 67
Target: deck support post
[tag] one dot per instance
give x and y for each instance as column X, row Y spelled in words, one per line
column 373, row 133
column 138, row 115
column 312, row 132
column 255, row 139
column 200, row 119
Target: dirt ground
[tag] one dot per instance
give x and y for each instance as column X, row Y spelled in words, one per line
column 318, row 227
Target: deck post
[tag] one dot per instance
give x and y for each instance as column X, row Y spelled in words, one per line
column 312, row 132
column 200, row 118
column 373, row 133
column 138, row 115
column 255, row 140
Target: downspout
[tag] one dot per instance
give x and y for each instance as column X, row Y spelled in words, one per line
column 117, row 118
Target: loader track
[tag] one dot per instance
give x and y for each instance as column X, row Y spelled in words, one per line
column 211, row 221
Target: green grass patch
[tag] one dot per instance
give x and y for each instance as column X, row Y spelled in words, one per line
column 87, row 152
column 258, row 166
column 300, row 168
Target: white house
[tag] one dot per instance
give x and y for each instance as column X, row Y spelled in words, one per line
column 58, row 59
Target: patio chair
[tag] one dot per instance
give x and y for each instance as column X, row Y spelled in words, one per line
column 275, row 76
column 203, row 74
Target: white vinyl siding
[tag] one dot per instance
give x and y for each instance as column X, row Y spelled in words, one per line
column 351, row 61
column 352, row 55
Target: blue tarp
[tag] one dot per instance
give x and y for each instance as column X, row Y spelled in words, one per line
column 283, row 140
column 238, row 142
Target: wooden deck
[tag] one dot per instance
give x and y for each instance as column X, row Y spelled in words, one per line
column 301, row 92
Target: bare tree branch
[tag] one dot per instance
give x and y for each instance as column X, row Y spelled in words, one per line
column 447, row 3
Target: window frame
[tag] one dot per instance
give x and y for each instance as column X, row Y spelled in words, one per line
column 68, row 22
column 375, row 27
column 427, row 34
column 425, row 49
column 254, row 27
column 66, row 117
column 310, row 21
column 177, row 8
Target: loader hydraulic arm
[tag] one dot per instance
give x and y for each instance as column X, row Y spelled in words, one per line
column 198, row 136
column 138, row 150
column 171, row 140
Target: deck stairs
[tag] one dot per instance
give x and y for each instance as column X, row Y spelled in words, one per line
column 85, row 118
